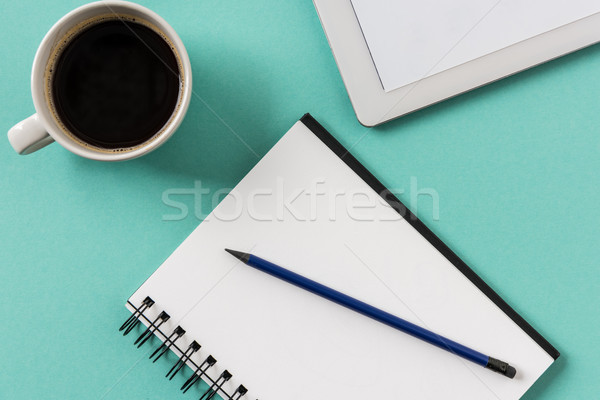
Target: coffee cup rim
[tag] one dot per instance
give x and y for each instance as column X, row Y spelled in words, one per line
column 41, row 59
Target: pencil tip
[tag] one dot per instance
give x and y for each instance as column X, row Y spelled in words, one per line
column 501, row 367
column 511, row 371
column 244, row 257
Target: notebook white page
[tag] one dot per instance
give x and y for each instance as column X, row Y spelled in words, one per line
column 284, row 343
column 410, row 40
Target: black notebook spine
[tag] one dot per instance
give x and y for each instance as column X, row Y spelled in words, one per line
column 169, row 342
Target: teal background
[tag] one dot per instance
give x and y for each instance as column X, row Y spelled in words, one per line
column 515, row 164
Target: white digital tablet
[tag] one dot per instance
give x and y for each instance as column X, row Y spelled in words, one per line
column 397, row 56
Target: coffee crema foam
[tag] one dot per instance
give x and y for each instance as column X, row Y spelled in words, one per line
column 64, row 42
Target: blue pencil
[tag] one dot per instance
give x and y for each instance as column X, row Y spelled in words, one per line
column 375, row 313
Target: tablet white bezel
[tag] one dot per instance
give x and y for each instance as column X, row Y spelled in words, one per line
column 374, row 106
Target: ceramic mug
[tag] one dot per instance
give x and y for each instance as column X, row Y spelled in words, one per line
column 45, row 127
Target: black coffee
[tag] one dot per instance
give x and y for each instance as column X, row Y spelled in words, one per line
column 115, row 84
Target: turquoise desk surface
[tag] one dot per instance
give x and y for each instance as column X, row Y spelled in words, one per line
column 515, row 165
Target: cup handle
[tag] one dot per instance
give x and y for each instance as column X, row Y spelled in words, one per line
column 29, row 135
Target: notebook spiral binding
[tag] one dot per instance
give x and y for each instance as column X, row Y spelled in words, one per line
column 169, row 342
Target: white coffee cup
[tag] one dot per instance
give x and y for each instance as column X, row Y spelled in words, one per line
column 42, row 128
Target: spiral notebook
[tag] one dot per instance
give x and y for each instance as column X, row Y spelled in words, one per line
column 310, row 206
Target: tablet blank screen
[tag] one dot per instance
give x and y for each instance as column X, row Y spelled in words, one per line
column 410, row 40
